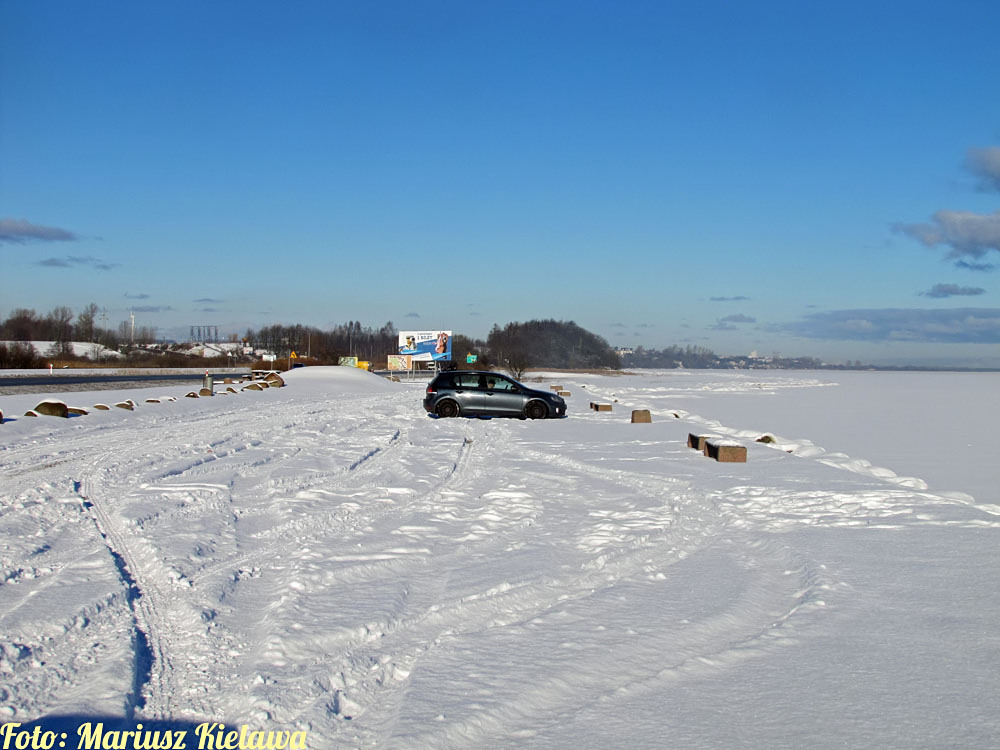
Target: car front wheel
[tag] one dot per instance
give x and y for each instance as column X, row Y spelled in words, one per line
column 447, row 409
column 536, row 410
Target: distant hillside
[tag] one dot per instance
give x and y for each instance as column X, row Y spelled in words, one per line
column 549, row 343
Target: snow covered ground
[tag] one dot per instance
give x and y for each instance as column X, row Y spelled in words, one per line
column 325, row 558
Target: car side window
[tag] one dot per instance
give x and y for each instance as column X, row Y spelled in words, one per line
column 500, row 384
column 467, row 381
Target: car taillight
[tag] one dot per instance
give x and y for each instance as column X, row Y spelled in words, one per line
column 430, row 390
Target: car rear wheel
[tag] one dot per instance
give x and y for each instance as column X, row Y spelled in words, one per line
column 447, row 409
column 536, row 410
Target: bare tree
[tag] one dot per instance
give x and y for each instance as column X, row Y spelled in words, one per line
column 60, row 326
column 86, row 323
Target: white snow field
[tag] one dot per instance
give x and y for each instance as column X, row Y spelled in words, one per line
column 325, row 558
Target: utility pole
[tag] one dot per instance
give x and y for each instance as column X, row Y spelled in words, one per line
column 131, row 315
column 104, row 327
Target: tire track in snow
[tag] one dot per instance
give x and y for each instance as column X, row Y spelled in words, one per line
column 111, row 480
column 359, row 470
column 375, row 671
column 113, row 489
column 166, row 629
column 369, row 567
column 173, row 655
column 142, row 650
column 279, row 579
column 770, row 612
column 63, row 607
column 745, row 624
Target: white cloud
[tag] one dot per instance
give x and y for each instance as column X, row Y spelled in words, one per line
column 966, row 233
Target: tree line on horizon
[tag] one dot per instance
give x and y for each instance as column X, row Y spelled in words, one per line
column 515, row 346
column 62, row 326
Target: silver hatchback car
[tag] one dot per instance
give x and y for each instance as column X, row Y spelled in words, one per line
column 464, row 393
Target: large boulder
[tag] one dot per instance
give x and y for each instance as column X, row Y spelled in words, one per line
column 52, row 407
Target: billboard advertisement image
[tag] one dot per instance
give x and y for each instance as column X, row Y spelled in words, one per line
column 425, row 346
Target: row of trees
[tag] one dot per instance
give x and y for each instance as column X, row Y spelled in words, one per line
column 515, row 347
column 62, row 326
column 19, row 356
column 346, row 340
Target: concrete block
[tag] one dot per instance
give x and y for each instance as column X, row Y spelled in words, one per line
column 206, row 392
column 77, row 410
column 564, row 394
column 724, row 451
column 602, row 407
column 641, row 416
column 102, row 407
column 126, row 405
column 698, row 441
column 253, row 387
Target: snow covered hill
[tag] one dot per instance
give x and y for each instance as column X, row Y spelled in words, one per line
column 326, row 558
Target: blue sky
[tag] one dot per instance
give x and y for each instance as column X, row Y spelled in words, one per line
column 814, row 179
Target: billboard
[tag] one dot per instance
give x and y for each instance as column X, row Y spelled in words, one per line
column 425, row 346
column 398, row 362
